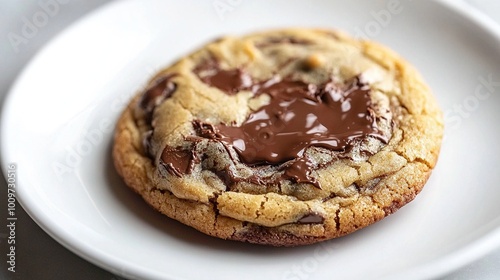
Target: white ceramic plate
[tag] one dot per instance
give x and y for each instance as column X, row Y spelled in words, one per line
column 58, row 119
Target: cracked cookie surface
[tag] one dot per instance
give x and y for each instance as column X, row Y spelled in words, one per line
column 285, row 138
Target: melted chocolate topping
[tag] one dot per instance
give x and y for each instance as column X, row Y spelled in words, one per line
column 298, row 116
column 301, row 115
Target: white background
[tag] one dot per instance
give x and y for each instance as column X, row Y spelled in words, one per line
column 40, row 257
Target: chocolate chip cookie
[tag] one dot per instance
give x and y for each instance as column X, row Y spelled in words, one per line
column 285, row 138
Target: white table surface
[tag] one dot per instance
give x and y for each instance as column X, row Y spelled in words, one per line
column 38, row 256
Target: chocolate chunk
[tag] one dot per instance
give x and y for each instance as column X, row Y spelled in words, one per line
column 229, row 81
column 313, row 218
column 146, row 143
column 178, row 161
column 155, row 95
